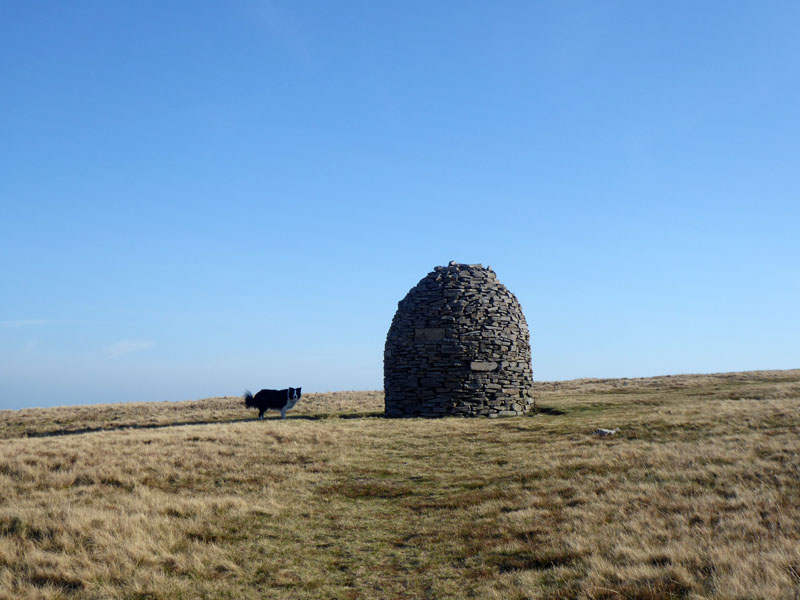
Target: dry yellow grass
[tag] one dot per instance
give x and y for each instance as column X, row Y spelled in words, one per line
column 38, row 422
column 697, row 496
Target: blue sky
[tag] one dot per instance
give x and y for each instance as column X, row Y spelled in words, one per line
column 202, row 197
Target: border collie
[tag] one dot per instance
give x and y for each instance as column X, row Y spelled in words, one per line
column 264, row 400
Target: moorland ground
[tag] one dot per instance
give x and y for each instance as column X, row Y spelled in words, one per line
column 697, row 496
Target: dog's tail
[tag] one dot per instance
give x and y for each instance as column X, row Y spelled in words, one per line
column 248, row 398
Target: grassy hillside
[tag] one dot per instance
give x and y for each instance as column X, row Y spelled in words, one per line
column 697, row 496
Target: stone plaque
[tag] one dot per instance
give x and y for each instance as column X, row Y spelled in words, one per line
column 481, row 365
column 429, row 334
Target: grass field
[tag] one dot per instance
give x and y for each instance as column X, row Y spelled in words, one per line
column 697, row 496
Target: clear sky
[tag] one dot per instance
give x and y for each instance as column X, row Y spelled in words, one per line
column 201, row 197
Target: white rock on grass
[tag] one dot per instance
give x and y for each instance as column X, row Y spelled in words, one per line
column 605, row 432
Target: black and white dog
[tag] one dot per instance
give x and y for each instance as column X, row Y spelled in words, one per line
column 281, row 400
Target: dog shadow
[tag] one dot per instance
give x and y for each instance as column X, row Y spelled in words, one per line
column 329, row 416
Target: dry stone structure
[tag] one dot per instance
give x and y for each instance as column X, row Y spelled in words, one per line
column 458, row 345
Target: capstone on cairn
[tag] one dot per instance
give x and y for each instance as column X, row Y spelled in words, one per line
column 458, row 345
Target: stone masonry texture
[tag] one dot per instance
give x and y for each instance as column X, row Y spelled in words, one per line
column 458, row 345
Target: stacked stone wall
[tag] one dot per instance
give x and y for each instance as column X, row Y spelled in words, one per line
column 458, row 345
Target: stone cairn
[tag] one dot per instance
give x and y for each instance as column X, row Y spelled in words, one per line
column 458, row 345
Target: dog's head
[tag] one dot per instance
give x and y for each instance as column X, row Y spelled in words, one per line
column 293, row 397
